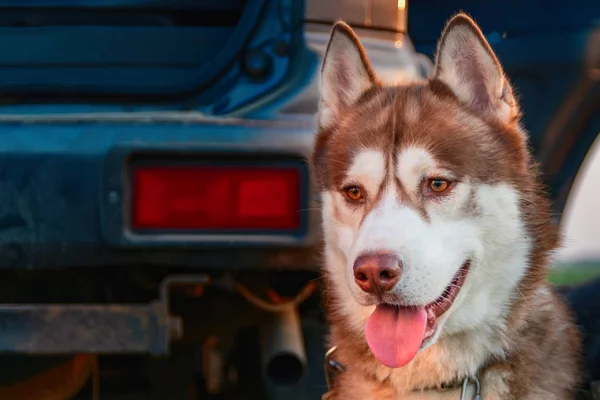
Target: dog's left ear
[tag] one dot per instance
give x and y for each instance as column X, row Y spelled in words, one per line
column 345, row 74
column 466, row 63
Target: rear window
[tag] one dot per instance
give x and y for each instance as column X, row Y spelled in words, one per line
column 131, row 47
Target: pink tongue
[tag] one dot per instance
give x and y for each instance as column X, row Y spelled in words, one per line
column 395, row 334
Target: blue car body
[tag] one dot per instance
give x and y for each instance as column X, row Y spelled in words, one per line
column 89, row 86
column 87, row 92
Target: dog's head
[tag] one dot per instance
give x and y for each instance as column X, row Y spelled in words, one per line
column 427, row 193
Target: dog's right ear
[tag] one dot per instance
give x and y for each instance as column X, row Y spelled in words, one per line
column 466, row 63
column 345, row 74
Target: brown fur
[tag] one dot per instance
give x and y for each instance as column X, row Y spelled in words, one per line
column 541, row 344
column 541, row 363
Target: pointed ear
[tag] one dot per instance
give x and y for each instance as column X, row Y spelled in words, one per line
column 345, row 74
column 466, row 63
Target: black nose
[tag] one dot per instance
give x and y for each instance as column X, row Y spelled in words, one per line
column 377, row 272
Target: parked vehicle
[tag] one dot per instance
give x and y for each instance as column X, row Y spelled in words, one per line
column 153, row 183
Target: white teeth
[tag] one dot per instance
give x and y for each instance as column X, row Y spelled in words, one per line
column 430, row 313
column 430, row 332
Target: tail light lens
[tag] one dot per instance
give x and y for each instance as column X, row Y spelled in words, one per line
column 215, row 198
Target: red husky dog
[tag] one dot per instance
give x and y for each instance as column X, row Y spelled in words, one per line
column 437, row 234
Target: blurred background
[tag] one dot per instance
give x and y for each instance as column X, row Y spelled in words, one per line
column 579, row 223
column 159, row 234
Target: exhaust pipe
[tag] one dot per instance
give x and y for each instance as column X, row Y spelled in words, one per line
column 284, row 355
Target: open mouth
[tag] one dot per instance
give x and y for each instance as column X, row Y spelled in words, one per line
column 437, row 308
column 395, row 333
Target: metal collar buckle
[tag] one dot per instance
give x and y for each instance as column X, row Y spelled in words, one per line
column 332, row 367
column 465, row 386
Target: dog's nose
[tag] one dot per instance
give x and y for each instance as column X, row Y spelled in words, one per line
column 377, row 273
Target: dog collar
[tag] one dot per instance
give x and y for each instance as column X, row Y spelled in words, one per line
column 333, row 368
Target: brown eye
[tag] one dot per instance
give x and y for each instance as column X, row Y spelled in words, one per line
column 354, row 193
column 438, row 185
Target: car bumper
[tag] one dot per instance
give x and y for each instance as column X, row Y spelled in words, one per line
column 58, row 178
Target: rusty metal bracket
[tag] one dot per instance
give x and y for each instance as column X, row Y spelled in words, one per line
column 94, row 328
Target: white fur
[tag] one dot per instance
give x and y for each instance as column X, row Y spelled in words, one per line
column 343, row 59
column 339, row 236
column 412, row 165
column 467, row 66
column 461, row 46
column 368, row 168
column 432, row 249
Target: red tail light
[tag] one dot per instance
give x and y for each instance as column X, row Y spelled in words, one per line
column 215, row 198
